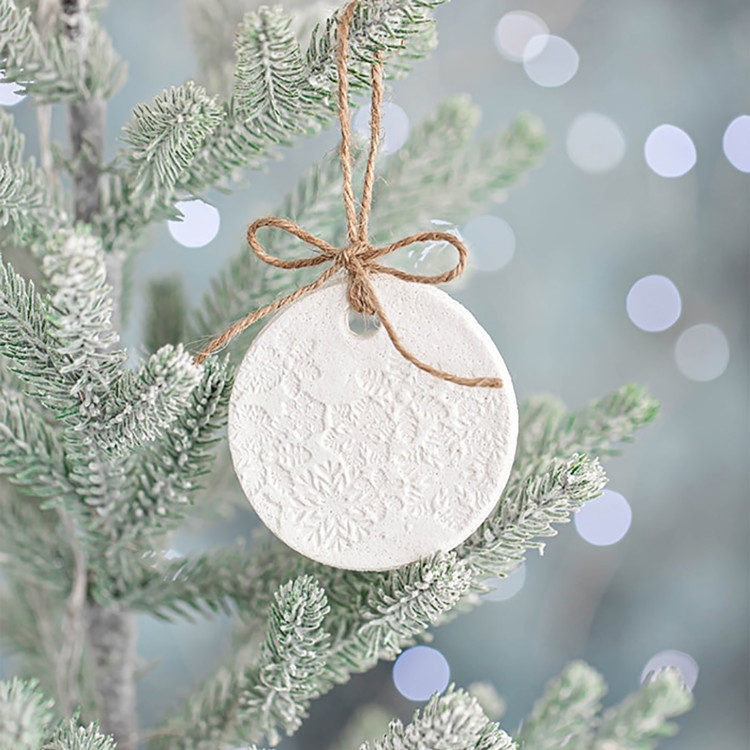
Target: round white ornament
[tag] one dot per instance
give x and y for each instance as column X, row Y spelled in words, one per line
column 353, row 456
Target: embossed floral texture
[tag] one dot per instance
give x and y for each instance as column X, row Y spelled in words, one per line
column 337, row 452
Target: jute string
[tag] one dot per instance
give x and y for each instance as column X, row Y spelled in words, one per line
column 358, row 258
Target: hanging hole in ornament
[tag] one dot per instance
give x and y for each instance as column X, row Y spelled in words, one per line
column 362, row 325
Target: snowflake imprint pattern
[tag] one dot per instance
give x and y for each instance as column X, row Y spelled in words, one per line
column 338, row 524
column 354, row 456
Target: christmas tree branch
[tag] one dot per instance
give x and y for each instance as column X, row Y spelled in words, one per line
column 165, row 473
column 29, row 210
column 31, row 452
column 52, row 69
column 566, row 713
column 267, row 697
column 641, row 720
column 27, row 722
column 430, row 175
column 185, row 142
column 537, row 497
column 25, row 715
column 441, row 173
column 451, row 721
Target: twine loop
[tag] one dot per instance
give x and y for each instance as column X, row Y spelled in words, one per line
column 358, row 258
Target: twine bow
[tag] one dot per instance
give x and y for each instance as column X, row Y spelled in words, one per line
column 358, row 258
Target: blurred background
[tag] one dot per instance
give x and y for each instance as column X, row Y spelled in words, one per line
column 624, row 257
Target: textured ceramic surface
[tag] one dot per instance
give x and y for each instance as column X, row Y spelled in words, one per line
column 352, row 455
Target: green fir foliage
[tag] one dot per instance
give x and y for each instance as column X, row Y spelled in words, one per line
column 165, row 136
column 25, row 715
column 451, row 721
column 641, row 721
column 70, row 735
column 53, row 71
column 29, row 212
column 105, row 458
column 270, row 77
column 269, row 698
column 566, row 712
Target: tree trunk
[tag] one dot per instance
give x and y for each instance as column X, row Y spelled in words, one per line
column 112, row 633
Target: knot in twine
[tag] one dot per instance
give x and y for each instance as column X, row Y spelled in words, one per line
column 358, row 258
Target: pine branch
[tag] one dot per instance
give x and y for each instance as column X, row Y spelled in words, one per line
column 270, row 84
column 163, row 139
column 440, row 173
column 25, row 715
column 27, row 343
column 248, row 701
column 376, row 615
column 451, row 721
column 143, row 404
column 527, row 513
column 80, row 316
column 29, row 210
column 565, row 716
column 597, row 429
column 544, row 489
column 70, row 735
column 177, row 125
column 31, row 452
column 53, row 71
column 641, row 720
column 165, row 474
column 402, row 30
column 427, row 178
column 35, row 547
column 32, row 617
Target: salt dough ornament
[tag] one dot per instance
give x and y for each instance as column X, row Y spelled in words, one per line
column 353, row 456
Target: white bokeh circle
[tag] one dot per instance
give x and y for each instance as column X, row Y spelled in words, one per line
column 490, row 241
column 669, row 151
column 549, row 60
column 505, row 588
column 702, row 352
column 514, row 31
column 653, row 303
column 679, row 660
column 420, row 672
column 199, row 225
column 736, row 143
column 595, row 143
column 9, row 94
column 604, row 520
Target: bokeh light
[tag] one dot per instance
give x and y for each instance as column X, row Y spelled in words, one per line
column 419, row 672
column 595, row 143
column 550, row 61
column 491, row 242
column 682, row 662
column 394, row 126
column 200, row 223
column 669, row 151
column 736, row 143
column 514, row 31
column 8, row 93
column 702, row 352
column 604, row 520
column 506, row 588
column 653, row 303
